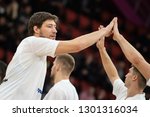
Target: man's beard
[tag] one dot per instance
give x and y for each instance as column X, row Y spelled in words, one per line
column 52, row 79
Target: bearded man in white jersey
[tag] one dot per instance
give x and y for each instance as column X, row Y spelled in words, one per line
column 60, row 72
column 26, row 72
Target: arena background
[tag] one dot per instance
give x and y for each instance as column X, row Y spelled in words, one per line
column 79, row 17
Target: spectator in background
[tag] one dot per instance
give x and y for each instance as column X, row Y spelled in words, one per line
column 60, row 72
column 26, row 72
column 12, row 9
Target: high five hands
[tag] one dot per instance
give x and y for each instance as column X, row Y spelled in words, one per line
column 112, row 29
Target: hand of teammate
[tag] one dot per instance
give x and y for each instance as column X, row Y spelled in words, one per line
column 100, row 43
column 116, row 33
column 108, row 29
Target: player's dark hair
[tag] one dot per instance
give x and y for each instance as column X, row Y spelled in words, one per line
column 141, row 79
column 38, row 18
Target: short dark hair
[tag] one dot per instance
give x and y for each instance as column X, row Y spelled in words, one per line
column 3, row 67
column 67, row 63
column 38, row 18
column 141, row 79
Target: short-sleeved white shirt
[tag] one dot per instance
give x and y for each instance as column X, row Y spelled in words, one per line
column 120, row 91
column 26, row 72
column 63, row 90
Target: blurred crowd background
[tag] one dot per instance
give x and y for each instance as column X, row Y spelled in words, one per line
column 78, row 17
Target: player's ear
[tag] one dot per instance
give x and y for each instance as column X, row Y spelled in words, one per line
column 36, row 30
column 134, row 77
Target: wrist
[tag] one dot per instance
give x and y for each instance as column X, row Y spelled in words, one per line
column 119, row 37
column 102, row 48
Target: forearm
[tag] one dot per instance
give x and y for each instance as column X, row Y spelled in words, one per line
column 79, row 43
column 108, row 65
column 130, row 52
column 88, row 39
column 134, row 57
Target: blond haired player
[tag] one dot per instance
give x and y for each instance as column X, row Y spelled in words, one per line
column 60, row 72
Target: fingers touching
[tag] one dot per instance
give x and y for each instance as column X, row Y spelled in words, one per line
column 112, row 28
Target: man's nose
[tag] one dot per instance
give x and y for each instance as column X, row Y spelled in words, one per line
column 55, row 30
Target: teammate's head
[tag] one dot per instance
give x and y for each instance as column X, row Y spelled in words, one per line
column 63, row 63
column 43, row 24
column 3, row 67
column 135, row 76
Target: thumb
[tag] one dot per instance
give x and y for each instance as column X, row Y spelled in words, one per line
column 100, row 27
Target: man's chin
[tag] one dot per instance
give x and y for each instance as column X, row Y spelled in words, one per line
column 53, row 38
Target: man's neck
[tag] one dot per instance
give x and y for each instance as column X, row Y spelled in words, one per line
column 132, row 91
column 59, row 77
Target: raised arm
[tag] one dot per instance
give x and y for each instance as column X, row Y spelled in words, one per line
column 131, row 53
column 107, row 62
column 84, row 41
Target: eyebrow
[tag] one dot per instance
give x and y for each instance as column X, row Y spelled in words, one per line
column 51, row 24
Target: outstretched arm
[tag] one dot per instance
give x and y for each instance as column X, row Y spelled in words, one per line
column 131, row 53
column 82, row 42
column 107, row 62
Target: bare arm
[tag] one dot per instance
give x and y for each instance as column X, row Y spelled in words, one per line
column 82, row 42
column 131, row 53
column 107, row 62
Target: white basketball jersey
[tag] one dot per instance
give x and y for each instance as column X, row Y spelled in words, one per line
column 63, row 90
column 26, row 72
